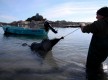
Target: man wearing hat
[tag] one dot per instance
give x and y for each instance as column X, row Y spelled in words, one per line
column 98, row 49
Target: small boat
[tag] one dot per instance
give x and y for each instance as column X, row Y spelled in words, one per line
column 15, row 30
column 24, row 31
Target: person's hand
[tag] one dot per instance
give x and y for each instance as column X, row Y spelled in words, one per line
column 82, row 24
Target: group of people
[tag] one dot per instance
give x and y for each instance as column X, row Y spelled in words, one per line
column 98, row 49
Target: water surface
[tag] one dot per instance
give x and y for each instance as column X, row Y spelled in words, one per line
column 66, row 61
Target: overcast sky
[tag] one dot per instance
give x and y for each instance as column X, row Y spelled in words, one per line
column 69, row 10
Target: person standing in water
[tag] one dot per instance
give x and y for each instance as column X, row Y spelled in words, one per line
column 98, row 49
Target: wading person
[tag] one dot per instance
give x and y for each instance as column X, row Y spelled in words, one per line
column 98, row 49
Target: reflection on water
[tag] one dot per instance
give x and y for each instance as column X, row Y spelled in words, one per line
column 102, row 76
column 66, row 61
column 26, row 37
column 105, row 67
column 97, row 74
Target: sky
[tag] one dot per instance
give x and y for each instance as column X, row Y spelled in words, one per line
column 53, row 10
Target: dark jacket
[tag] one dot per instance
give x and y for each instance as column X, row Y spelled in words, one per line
column 99, row 28
column 98, row 49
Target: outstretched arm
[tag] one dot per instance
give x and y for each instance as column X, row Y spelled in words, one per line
column 47, row 25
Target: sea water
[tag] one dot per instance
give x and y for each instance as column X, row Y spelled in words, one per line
column 66, row 60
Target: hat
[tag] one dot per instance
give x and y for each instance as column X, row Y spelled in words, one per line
column 103, row 11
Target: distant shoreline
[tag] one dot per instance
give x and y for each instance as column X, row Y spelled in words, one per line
column 34, row 24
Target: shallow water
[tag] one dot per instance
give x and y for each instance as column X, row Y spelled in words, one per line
column 66, row 60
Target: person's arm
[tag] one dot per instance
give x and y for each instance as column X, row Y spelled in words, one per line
column 90, row 28
column 48, row 26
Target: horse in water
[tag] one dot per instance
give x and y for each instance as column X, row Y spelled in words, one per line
column 44, row 46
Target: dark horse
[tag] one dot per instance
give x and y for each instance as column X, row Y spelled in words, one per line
column 44, row 46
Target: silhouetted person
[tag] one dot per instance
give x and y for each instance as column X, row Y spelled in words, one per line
column 98, row 49
column 48, row 26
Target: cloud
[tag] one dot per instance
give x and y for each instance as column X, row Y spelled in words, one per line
column 68, row 9
column 56, row 11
